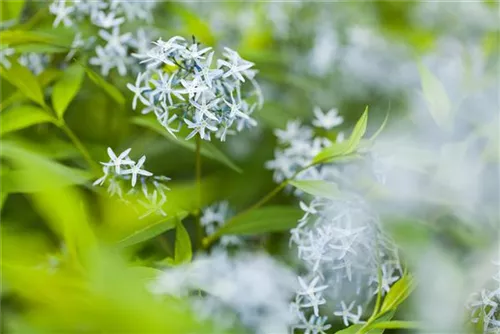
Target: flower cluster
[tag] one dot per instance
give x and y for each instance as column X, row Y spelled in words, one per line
column 299, row 145
column 113, row 48
column 485, row 306
column 254, row 288
column 213, row 218
column 341, row 246
column 120, row 169
column 180, row 85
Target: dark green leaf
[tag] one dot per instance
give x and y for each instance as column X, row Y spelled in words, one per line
column 21, row 117
column 25, row 81
column 183, row 251
column 207, row 149
column 66, row 88
column 263, row 220
column 317, row 188
column 149, row 232
column 111, row 90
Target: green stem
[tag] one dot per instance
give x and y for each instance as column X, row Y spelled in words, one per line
column 199, row 227
column 78, row 144
column 213, row 237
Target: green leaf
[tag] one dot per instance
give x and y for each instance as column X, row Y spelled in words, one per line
column 183, row 251
column 111, row 90
column 18, row 37
column 345, row 147
column 33, row 172
column 317, row 188
column 381, row 128
column 21, row 117
column 398, row 293
column 25, row 81
column 263, row 220
column 396, row 324
column 350, row 330
column 10, row 10
column 149, row 232
column 436, row 97
column 207, row 149
column 66, row 88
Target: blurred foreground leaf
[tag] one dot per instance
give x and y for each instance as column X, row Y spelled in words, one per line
column 23, row 116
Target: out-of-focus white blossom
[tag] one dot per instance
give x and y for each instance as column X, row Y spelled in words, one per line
column 193, row 94
column 4, row 54
column 214, row 217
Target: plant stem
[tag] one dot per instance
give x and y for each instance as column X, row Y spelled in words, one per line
column 212, row 238
column 78, row 144
column 198, row 191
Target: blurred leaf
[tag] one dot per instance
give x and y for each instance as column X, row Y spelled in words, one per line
column 11, row 10
column 396, row 324
column 263, row 220
column 183, row 251
column 381, row 128
column 111, row 90
column 194, row 25
column 17, row 37
column 346, row 147
column 25, row 81
column 150, row 231
column 34, row 172
column 353, row 329
column 207, row 149
column 21, row 117
column 435, row 95
column 398, row 293
column 66, row 88
column 64, row 209
column 40, row 48
column 317, row 188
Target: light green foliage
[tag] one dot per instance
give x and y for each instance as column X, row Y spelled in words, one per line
column 25, row 81
column 317, row 188
column 183, row 252
column 21, row 117
column 66, row 88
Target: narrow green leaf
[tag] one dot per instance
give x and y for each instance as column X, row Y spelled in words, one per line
column 10, row 10
column 397, row 324
column 25, row 81
column 436, row 97
column 381, row 128
column 207, row 149
column 21, row 117
column 346, row 147
column 149, row 232
column 353, row 329
column 263, row 220
column 317, row 188
column 183, row 251
column 66, row 88
column 398, row 293
column 33, row 172
column 111, row 90
column 17, row 37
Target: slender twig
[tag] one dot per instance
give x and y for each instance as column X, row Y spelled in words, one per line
column 78, row 144
column 198, row 191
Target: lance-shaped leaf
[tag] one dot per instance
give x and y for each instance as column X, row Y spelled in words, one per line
column 66, row 88
column 21, row 117
column 317, row 188
column 398, row 293
column 25, row 81
column 183, row 251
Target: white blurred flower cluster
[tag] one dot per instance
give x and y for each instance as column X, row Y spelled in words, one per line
column 35, row 62
column 213, row 218
column 254, row 288
column 298, row 145
column 121, row 169
column 342, row 248
column 485, row 306
column 113, row 47
column 181, row 86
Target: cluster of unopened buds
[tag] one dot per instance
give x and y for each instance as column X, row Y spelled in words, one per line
column 121, row 169
column 181, row 87
column 113, row 47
